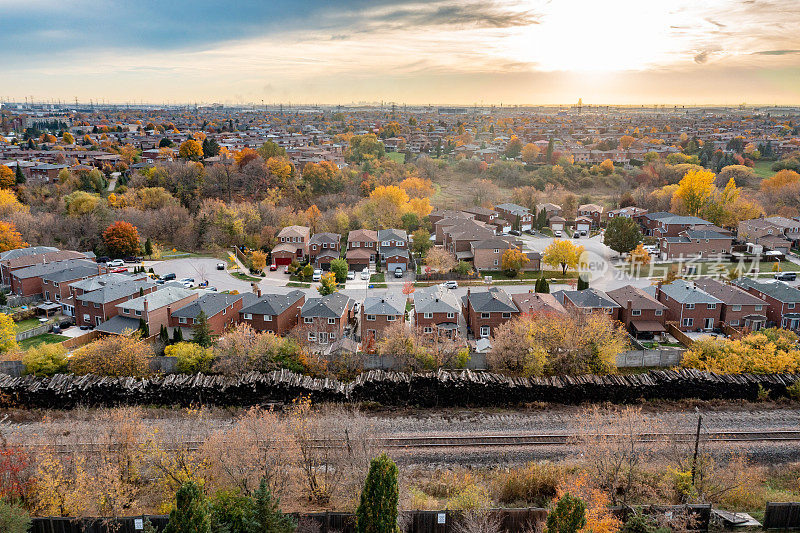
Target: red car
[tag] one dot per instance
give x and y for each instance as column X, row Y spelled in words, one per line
column 273, row 268
column 118, row 270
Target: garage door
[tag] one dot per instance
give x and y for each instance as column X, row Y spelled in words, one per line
column 282, row 260
column 392, row 266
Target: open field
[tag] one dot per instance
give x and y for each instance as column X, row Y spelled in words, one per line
column 763, row 169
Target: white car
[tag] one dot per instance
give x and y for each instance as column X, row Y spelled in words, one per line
column 351, row 274
column 317, row 275
column 365, row 274
column 115, row 263
column 452, row 284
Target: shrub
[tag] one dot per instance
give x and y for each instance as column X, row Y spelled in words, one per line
column 114, row 355
column 13, row 519
column 192, row 358
column 377, row 511
column 568, row 515
column 229, row 509
column 535, row 484
column 190, row 514
column 45, row 360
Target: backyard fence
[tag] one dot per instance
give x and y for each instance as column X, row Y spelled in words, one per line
column 782, row 516
column 38, row 330
column 659, row 357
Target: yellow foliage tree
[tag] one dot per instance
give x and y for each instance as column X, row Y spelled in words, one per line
column 7, row 179
column 10, row 238
column 68, row 138
column 639, row 256
column 417, row 187
column 607, row 167
column 114, row 355
column 763, row 352
column 191, row 150
column 258, row 260
column 513, row 260
column 562, row 253
column 8, row 334
column 530, row 153
column 694, row 192
column 9, row 203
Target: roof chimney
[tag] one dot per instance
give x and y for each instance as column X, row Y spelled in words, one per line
column 146, row 308
column 629, row 305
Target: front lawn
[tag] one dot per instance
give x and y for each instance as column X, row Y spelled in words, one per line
column 244, row 277
column 714, row 268
column 397, row 157
column 44, row 338
column 763, row 169
column 530, row 274
column 377, row 278
column 298, row 284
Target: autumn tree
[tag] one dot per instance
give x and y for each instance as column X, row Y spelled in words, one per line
column 8, row 334
column 10, row 238
column 513, row 148
column 190, row 150
column 68, row 138
column 440, row 260
column 258, row 260
column 113, row 355
column 45, row 360
column 327, row 284
column 365, row 147
column 121, row 239
column 766, row 351
column 626, row 141
column 622, row 234
column 7, row 179
column 607, row 167
column 270, row 149
column 513, row 261
column 562, row 253
column 417, row 187
column 639, row 256
column 694, row 191
column 530, row 153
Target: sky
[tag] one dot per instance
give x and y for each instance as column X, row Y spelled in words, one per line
column 467, row 52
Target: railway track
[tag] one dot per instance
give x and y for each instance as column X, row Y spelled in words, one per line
column 486, row 441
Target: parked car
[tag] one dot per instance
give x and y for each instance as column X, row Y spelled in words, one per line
column 220, row 266
column 515, row 232
column 576, row 235
column 583, row 233
column 351, row 274
column 133, row 259
column 273, row 267
column 187, row 282
column 115, row 263
column 398, row 272
column 168, row 277
column 103, row 259
column 317, row 275
column 557, row 233
column 450, row 284
column 786, row 276
column 365, row 274
column 119, row 270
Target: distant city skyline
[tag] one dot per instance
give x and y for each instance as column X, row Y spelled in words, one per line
column 514, row 52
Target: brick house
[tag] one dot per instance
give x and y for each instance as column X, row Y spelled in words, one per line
column 551, row 210
column 274, row 313
column 765, row 233
column 593, row 212
column 220, row 308
column 436, row 311
column 690, row 307
column 740, row 309
column 93, row 304
column 488, row 254
column 534, row 303
column 10, row 255
column 55, row 285
column 557, row 224
column 693, row 243
column 626, row 212
column 28, row 281
column 362, row 248
column 520, row 217
column 458, row 239
column 324, row 319
column 393, row 249
column 789, row 226
column 641, row 313
column 154, row 308
column 490, row 217
column 292, row 245
column 324, row 248
column 663, row 224
column 379, row 312
column 484, row 311
column 588, row 301
column 18, row 259
column 783, row 309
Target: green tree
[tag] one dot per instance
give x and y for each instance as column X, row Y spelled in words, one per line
column 229, row 510
column 339, row 268
column 410, row 221
column 265, row 515
column 567, row 516
column 144, row 328
column 19, row 177
column 308, row 271
column 13, row 519
column 190, row 514
column 377, row 511
column 421, row 241
column 622, row 235
column 177, row 335
column 202, row 331
column 163, row 334
column 270, row 149
column 583, row 283
column 148, row 247
column 542, row 286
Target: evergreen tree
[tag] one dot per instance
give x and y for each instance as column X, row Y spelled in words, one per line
column 377, row 512
column 190, row 514
column 163, row 334
column 583, row 283
column 265, row 515
column 542, row 286
column 144, row 328
column 622, row 235
column 568, row 515
column 177, row 335
column 19, row 177
column 550, row 150
column 148, row 248
column 202, row 331
column 3, row 298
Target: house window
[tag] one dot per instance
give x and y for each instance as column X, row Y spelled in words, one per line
column 331, row 321
column 451, row 315
column 224, row 310
column 736, row 308
column 712, row 306
column 495, row 262
column 126, row 311
column 138, row 313
column 385, row 243
column 659, row 312
column 428, row 315
column 323, row 337
column 485, row 315
column 332, row 336
column 506, row 315
column 247, row 316
column 689, row 306
column 427, row 329
column 734, row 322
column 370, row 317
column 759, row 307
column 308, row 320
column 485, row 330
column 390, row 318
column 790, row 306
column 267, row 318
column 182, row 320
column 312, row 336
column 636, row 312
column 497, row 250
column 96, row 305
column 688, row 322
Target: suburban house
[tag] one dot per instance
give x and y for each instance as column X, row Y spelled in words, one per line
column 642, row 314
column 379, row 312
column 690, row 307
column 293, row 245
column 488, row 254
column 694, row 243
column 588, row 301
column 593, row 212
column 324, row 318
column 484, row 311
column 789, row 226
column 9, row 255
column 458, row 239
column 438, row 214
column 663, row 224
column 490, row 217
column 765, row 233
column 324, row 248
column 436, row 311
column 783, row 309
column 446, row 225
column 583, row 223
column 393, row 249
column 55, row 285
column 28, row 281
column 17, row 259
column 557, row 224
column 551, row 210
column 535, row 302
column 626, row 212
column 740, row 309
column 520, row 217
column 362, row 248
column 273, row 313
column 154, row 308
column 95, row 300
column 220, row 308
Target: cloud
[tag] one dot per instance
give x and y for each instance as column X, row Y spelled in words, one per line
column 702, row 57
column 776, row 52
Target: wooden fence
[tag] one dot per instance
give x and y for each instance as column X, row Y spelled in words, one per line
column 683, row 338
column 782, row 516
column 38, row 330
column 659, row 357
column 75, row 342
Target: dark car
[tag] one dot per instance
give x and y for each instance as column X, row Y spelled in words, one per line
column 515, row 232
column 168, row 277
column 786, row 276
column 132, row 259
column 103, row 259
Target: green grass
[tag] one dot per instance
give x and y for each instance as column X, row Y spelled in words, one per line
column 713, row 268
column 44, row 338
column 529, row 275
column 377, row 278
column 397, row 157
column 298, row 284
column 244, row 277
column 763, row 169
column 379, row 286
column 546, row 231
column 25, row 325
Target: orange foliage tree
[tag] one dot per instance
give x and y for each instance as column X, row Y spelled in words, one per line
column 10, row 238
column 121, row 239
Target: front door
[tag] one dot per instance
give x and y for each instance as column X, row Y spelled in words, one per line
column 709, row 323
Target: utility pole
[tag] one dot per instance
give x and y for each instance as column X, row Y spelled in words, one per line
column 696, row 446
